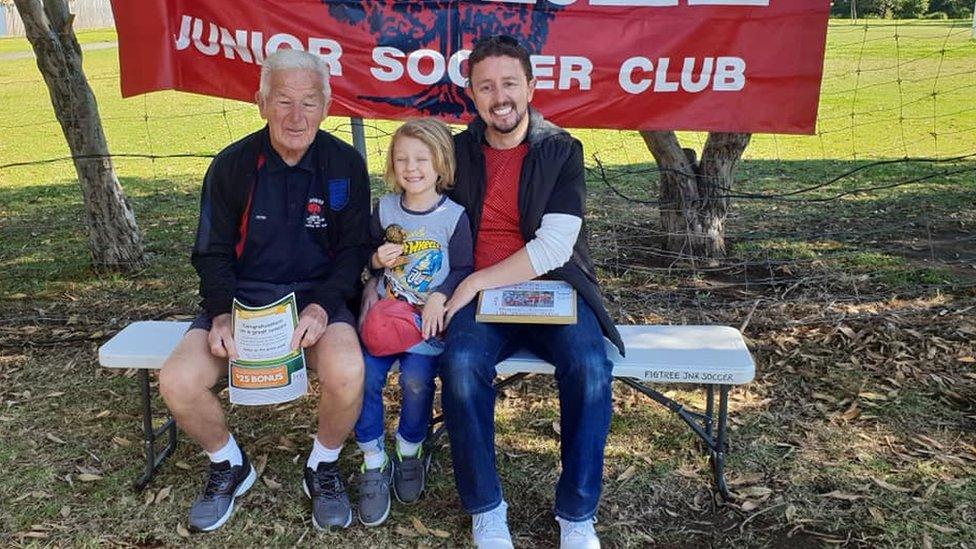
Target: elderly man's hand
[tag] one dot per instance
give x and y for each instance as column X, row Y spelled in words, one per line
column 221, row 338
column 311, row 325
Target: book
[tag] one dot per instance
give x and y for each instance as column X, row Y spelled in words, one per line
column 532, row 302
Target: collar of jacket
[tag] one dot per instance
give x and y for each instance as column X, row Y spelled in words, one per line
column 540, row 129
column 262, row 138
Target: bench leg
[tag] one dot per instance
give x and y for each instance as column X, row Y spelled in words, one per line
column 703, row 425
column 717, row 451
column 150, row 435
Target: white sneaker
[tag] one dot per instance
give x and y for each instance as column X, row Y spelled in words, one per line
column 490, row 529
column 577, row 535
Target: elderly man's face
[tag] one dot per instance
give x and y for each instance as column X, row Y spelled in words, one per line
column 294, row 107
column 501, row 92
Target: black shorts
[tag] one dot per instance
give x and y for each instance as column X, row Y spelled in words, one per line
column 203, row 321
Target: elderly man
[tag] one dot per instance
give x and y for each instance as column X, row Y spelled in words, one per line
column 283, row 210
column 521, row 180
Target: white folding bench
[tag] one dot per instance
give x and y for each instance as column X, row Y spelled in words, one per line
column 713, row 356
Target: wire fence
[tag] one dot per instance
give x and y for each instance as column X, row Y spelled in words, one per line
column 875, row 209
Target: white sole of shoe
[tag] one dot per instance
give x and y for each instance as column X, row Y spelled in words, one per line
column 328, row 526
column 382, row 519
column 241, row 490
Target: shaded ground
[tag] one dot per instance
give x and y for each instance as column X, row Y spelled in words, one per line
column 857, row 430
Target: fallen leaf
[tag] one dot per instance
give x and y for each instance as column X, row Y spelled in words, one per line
column 183, row 465
column 419, row 526
column 836, row 494
column 89, row 477
column 163, row 494
column 851, row 413
column 121, row 441
column 891, row 487
column 942, row 529
column 53, row 438
column 754, row 492
column 404, row 531
column 439, row 533
column 34, row 535
column 745, row 480
column 260, row 463
column 149, row 498
column 790, row 512
column 555, row 427
column 65, row 511
column 823, row 396
column 629, row 472
column 182, row 531
column 966, row 359
column 271, row 483
column 877, row 514
column 103, row 413
column 749, row 505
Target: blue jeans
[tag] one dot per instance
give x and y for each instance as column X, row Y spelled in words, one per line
column 417, row 374
column 583, row 376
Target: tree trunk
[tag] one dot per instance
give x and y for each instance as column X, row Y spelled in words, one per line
column 694, row 195
column 113, row 235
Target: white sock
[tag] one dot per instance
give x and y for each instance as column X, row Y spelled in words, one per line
column 229, row 452
column 322, row 454
column 373, row 455
column 406, row 448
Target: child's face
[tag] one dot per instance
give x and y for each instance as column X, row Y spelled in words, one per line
column 413, row 165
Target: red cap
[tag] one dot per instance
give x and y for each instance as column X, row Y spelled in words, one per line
column 391, row 327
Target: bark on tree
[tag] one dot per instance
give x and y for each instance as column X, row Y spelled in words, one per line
column 114, row 237
column 695, row 195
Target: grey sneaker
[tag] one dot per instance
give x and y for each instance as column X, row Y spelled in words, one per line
column 374, row 494
column 330, row 502
column 409, row 476
column 216, row 504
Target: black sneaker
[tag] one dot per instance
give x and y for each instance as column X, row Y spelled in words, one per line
column 330, row 503
column 409, row 476
column 224, row 483
column 374, row 494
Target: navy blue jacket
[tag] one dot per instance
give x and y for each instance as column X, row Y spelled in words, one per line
column 225, row 205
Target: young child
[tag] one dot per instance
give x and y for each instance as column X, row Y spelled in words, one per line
column 425, row 253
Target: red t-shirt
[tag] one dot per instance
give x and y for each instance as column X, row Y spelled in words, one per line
column 498, row 234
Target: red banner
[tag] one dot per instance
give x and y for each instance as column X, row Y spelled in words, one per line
column 714, row 65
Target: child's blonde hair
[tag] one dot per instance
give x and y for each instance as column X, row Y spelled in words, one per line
column 437, row 136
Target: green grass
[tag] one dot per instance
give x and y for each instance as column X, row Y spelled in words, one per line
column 12, row 44
column 891, row 264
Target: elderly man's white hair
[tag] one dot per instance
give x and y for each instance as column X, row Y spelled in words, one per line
column 289, row 59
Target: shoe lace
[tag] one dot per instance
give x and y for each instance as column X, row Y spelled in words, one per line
column 217, row 481
column 581, row 530
column 490, row 522
column 328, row 484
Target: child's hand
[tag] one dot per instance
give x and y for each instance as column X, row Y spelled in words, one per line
column 388, row 255
column 433, row 315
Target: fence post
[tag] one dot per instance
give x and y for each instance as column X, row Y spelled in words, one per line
column 359, row 136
